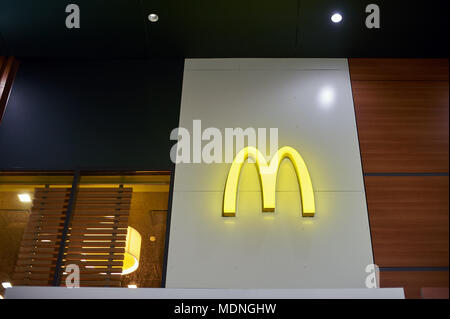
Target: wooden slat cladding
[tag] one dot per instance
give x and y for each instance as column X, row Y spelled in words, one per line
column 413, row 281
column 409, row 219
column 8, row 69
column 402, row 125
column 402, row 112
column 96, row 238
column 399, row 69
column 40, row 243
column 97, row 235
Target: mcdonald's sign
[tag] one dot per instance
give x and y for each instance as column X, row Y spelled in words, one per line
column 268, row 178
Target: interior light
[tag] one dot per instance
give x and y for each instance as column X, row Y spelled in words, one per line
column 336, row 17
column 132, row 286
column 6, row 285
column 24, row 198
column 153, row 17
column 1, row 297
column 152, row 238
column 132, row 251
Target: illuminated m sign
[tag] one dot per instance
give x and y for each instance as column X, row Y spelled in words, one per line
column 268, row 178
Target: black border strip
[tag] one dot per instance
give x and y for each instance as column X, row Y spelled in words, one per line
column 171, row 190
column 167, row 237
column 62, row 244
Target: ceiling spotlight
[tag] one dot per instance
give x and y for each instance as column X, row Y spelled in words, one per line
column 24, row 198
column 153, row 17
column 336, row 17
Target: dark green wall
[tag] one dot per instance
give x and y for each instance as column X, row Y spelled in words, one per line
column 90, row 114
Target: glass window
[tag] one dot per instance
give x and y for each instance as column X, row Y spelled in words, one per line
column 17, row 197
column 145, row 238
column 115, row 233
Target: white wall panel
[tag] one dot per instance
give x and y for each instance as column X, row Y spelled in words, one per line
column 281, row 249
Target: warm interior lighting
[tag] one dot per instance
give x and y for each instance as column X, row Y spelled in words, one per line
column 6, row 285
column 336, row 17
column 132, row 286
column 24, row 198
column 132, row 251
column 1, row 297
column 152, row 238
column 268, row 177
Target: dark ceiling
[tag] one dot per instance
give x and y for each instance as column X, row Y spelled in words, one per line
column 223, row 28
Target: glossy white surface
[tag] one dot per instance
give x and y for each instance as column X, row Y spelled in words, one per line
column 280, row 250
column 268, row 250
column 166, row 293
column 289, row 100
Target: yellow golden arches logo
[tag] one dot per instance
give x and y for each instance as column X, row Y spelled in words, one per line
column 268, row 178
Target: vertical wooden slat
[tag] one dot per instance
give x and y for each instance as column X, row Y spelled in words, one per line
column 97, row 235
column 36, row 262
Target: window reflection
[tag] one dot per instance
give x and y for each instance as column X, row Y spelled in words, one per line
column 143, row 233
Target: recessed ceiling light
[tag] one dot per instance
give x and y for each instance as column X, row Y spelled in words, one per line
column 152, row 238
column 24, row 198
column 336, row 17
column 153, row 17
column 6, row 285
column 132, row 286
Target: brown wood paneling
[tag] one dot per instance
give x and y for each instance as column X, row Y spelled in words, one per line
column 8, row 69
column 398, row 69
column 402, row 125
column 409, row 218
column 413, row 281
column 434, row 293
